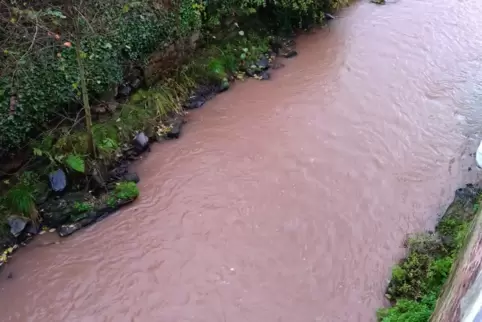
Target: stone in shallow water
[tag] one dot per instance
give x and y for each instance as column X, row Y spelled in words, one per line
column 141, row 142
column 194, row 102
column 176, row 127
column 291, row 54
column 263, row 63
column 264, row 75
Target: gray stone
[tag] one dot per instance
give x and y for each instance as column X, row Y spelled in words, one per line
column 58, row 180
column 17, row 224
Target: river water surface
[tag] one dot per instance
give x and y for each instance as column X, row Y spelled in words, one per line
column 286, row 200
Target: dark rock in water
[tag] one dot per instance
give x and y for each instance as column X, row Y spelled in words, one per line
column 10, row 275
column 329, row 16
column 69, row 229
column 277, row 65
column 129, row 177
column 17, row 224
column 32, row 228
column 264, row 75
column 58, row 180
column 117, row 173
column 204, row 91
column 469, row 169
column 176, row 127
column 263, row 63
column 124, row 90
column 249, row 72
column 193, row 102
column 141, row 142
column 57, row 211
column 90, row 218
column 291, row 53
column 289, row 43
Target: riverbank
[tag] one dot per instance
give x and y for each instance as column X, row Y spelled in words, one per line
column 417, row 281
column 69, row 211
column 66, row 176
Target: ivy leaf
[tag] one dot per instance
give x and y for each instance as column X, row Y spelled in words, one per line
column 37, row 152
column 76, row 162
column 55, row 13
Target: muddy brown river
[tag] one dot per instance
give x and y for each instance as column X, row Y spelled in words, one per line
column 286, row 200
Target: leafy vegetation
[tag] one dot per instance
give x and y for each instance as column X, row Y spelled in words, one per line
column 56, row 58
column 123, row 191
column 39, row 71
column 418, row 280
column 83, row 207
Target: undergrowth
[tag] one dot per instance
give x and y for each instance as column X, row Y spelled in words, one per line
column 418, row 280
column 123, row 191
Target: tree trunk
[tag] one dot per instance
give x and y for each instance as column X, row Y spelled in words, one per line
column 85, row 93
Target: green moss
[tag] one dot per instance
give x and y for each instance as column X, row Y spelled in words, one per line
column 125, row 191
column 408, row 310
column 417, row 281
column 82, row 207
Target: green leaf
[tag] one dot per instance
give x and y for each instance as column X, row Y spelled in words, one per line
column 37, row 152
column 55, row 13
column 76, row 162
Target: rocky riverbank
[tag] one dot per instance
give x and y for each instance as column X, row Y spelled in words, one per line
column 65, row 206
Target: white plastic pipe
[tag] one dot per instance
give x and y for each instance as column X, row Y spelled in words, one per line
column 478, row 156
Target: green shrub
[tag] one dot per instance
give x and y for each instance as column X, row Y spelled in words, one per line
column 409, row 310
column 126, row 191
column 82, row 207
column 418, row 280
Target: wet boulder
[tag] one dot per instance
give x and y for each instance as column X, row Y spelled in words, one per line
column 176, row 127
column 141, row 142
column 263, row 63
column 290, row 54
column 250, row 72
column 126, row 177
column 57, row 211
column 58, row 180
column 277, row 65
column 194, row 101
column 264, row 75
column 17, row 224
